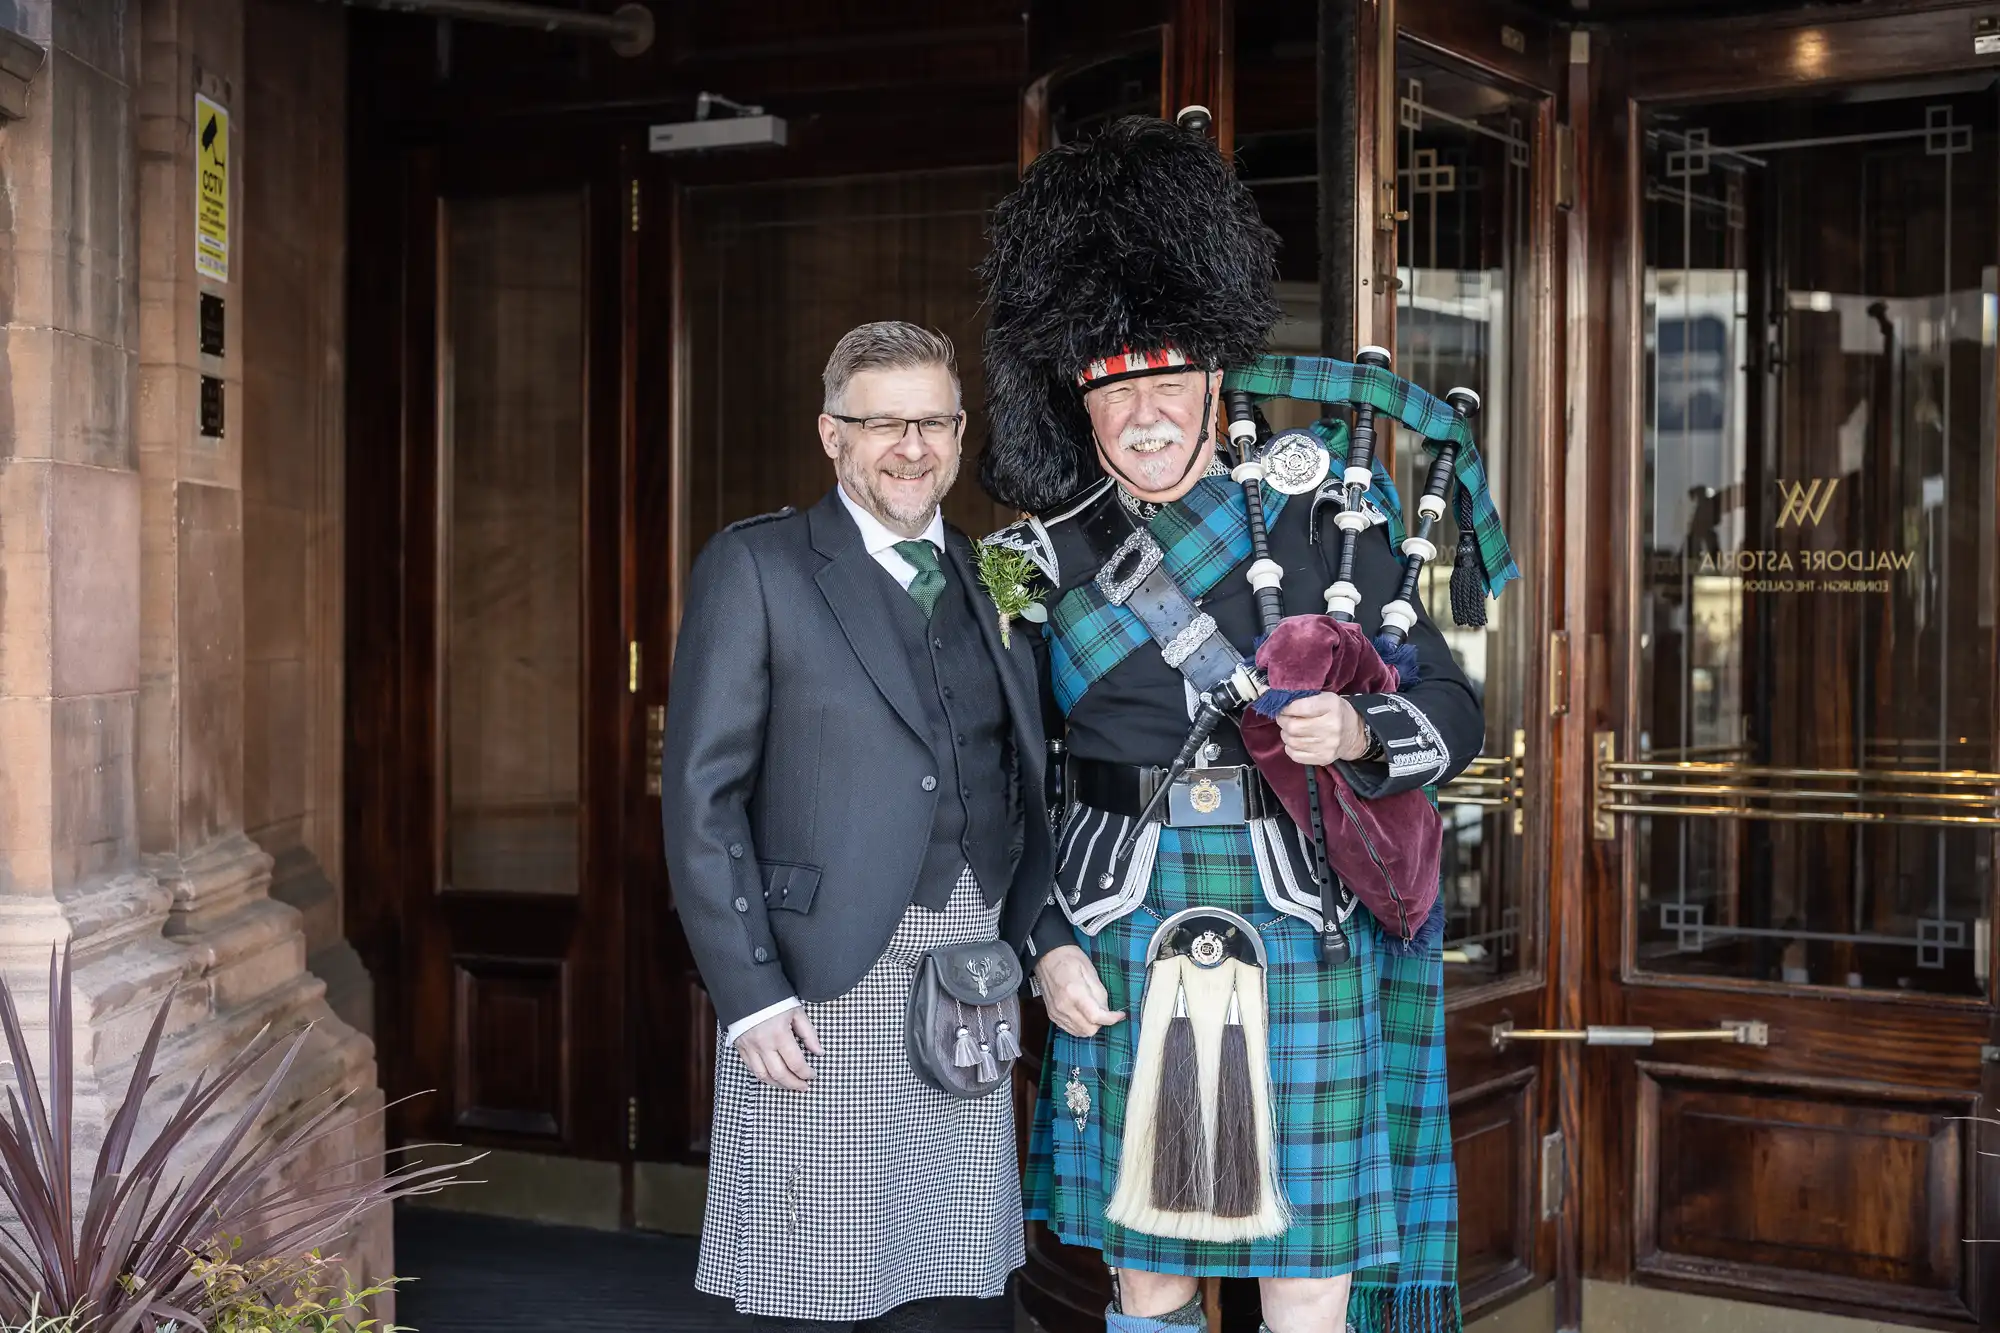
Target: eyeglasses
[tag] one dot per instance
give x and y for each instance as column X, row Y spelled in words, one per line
column 888, row 430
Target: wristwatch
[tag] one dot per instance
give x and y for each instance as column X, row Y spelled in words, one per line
column 1376, row 750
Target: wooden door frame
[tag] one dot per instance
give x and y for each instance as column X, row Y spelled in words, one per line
column 1470, row 39
column 1628, row 69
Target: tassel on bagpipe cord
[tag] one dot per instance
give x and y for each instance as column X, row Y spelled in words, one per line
column 1343, row 598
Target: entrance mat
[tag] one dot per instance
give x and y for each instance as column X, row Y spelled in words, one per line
column 473, row 1274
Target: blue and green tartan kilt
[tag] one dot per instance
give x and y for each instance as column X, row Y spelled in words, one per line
column 1358, row 1095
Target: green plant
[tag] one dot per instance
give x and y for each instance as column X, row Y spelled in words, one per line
column 1009, row 578
column 285, row 1295
column 130, row 1264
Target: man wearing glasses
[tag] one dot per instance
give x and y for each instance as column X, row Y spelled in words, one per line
column 852, row 779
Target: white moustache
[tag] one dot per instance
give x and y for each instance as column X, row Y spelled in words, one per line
column 1147, row 439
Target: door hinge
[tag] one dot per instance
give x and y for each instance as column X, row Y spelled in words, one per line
column 632, row 1124
column 632, row 684
column 635, row 207
column 1552, row 1175
column 656, row 746
column 1558, row 672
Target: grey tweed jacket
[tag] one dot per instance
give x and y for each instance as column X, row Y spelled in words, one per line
column 794, row 788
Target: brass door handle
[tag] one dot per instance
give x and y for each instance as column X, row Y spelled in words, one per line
column 1735, row 1032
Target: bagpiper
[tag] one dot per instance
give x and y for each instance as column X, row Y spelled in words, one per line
column 1252, row 711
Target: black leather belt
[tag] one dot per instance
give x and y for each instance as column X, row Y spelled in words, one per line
column 1125, row 789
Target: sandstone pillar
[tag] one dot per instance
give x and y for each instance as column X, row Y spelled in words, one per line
column 122, row 632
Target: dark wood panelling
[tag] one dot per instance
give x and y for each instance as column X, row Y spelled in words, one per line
column 1797, row 50
column 1484, row 36
column 1822, row 1191
column 1201, row 67
column 1493, row 1141
column 512, row 1058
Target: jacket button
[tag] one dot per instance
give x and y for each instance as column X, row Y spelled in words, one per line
column 938, row 644
column 761, row 955
column 961, row 740
column 736, row 850
column 966, row 792
column 930, row 783
column 742, row 904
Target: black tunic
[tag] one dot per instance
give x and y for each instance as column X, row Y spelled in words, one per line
column 1138, row 712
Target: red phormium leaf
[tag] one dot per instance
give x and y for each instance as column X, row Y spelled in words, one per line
column 127, row 1266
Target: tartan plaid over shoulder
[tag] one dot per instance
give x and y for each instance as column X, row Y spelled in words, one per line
column 1322, row 379
column 1204, row 535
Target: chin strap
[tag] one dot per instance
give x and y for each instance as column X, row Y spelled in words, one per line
column 1207, row 408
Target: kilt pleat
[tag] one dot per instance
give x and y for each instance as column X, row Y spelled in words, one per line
column 1358, row 1100
column 870, row 1189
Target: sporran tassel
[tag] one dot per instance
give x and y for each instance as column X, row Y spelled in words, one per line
column 1004, row 1043
column 988, row 1070
column 964, row 1055
column 1179, row 1134
column 1236, row 1173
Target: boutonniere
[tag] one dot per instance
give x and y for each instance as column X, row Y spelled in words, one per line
column 1008, row 577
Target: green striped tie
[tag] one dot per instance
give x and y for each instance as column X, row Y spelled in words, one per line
column 928, row 585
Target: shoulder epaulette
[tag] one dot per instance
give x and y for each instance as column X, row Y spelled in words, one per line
column 755, row 519
column 1031, row 536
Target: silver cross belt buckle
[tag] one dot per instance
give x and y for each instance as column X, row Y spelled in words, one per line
column 1206, row 797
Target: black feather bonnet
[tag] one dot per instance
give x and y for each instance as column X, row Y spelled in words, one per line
column 1136, row 239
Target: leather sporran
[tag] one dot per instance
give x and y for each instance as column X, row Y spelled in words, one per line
column 963, row 1025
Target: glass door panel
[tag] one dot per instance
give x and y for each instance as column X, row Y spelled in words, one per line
column 1465, row 315
column 1816, row 592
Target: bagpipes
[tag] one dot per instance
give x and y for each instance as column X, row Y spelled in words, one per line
column 1313, row 654
column 1198, row 1161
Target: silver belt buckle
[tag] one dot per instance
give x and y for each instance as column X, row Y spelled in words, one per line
column 1207, row 798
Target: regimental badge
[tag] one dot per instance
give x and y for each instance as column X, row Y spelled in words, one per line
column 1077, row 1098
column 1205, row 796
column 1295, row 463
column 1207, row 949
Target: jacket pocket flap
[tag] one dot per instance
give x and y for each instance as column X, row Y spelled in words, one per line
column 977, row 974
column 789, row 886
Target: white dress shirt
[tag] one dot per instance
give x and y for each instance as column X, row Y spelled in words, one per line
column 880, row 542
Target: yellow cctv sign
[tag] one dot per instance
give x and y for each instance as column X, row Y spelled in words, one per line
column 211, row 216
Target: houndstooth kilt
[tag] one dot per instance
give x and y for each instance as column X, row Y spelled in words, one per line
column 1358, row 1100
column 870, row 1189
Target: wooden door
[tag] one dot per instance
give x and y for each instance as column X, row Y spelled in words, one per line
column 1471, row 300
column 1788, row 568
column 513, row 659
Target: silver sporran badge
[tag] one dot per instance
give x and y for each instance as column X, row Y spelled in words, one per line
column 1295, row 463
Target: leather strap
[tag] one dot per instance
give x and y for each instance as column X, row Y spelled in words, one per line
column 1124, row 789
column 1134, row 576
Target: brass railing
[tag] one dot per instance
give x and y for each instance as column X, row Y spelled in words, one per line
column 1957, row 798
column 1493, row 783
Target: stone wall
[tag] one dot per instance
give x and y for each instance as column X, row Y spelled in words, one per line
column 133, row 684
column 294, row 318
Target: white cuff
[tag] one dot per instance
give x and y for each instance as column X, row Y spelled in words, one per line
column 743, row 1025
